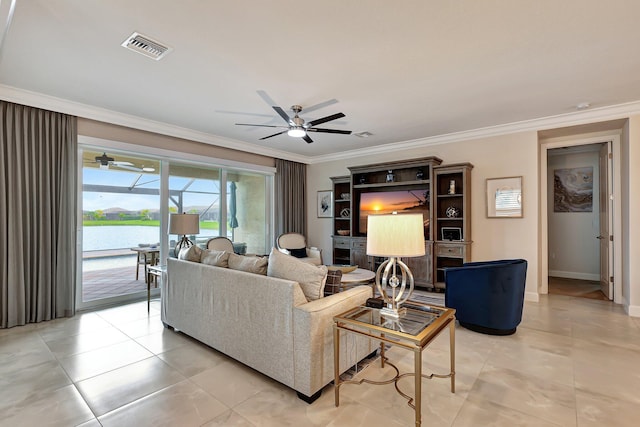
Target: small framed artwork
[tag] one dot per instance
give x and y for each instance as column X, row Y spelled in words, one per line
column 325, row 203
column 504, row 197
column 451, row 233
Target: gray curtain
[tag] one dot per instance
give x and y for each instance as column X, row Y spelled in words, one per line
column 38, row 209
column 290, row 189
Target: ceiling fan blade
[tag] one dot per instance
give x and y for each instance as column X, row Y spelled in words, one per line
column 262, row 126
column 322, row 130
column 282, row 113
column 320, row 105
column 325, row 119
column 306, row 138
column 242, row 113
column 127, row 167
column 266, row 98
column 275, row 134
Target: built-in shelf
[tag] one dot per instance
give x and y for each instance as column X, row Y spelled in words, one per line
column 392, row 184
column 452, row 253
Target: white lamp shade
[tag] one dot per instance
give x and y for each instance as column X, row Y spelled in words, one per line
column 395, row 235
column 183, row 224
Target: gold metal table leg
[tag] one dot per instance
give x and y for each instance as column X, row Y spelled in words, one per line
column 452, row 353
column 336, row 363
column 417, row 361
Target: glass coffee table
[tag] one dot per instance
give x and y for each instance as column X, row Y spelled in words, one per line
column 413, row 331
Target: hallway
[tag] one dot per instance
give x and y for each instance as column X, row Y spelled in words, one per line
column 576, row 288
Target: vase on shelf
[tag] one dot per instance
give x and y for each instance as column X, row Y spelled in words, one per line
column 390, row 176
column 452, row 187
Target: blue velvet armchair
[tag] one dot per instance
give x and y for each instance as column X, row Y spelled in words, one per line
column 488, row 296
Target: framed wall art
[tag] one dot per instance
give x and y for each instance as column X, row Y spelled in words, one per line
column 504, row 197
column 573, row 190
column 325, row 204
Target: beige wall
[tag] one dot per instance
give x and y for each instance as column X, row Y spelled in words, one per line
column 113, row 132
column 508, row 155
column 631, row 216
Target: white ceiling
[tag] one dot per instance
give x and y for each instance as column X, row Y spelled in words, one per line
column 401, row 70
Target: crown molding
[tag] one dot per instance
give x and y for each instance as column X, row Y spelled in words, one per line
column 34, row 99
column 52, row 103
column 601, row 114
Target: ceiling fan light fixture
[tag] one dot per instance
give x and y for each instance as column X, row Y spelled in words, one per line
column 296, row 132
column 147, row 169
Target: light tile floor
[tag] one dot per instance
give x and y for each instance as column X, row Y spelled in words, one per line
column 573, row 362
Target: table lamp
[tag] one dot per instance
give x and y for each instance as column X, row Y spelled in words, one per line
column 183, row 224
column 394, row 236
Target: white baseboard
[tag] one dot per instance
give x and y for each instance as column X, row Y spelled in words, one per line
column 574, row 275
column 531, row 296
column 632, row 310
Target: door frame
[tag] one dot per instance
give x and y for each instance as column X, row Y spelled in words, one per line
column 572, row 141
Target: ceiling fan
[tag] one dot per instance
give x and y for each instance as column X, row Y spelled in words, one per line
column 106, row 161
column 297, row 127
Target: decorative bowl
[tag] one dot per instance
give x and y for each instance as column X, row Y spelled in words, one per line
column 343, row 232
column 344, row 268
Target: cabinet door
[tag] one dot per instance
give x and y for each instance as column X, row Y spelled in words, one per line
column 421, row 268
column 359, row 253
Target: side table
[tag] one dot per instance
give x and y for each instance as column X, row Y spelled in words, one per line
column 155, row 273
column 413, row 331
column 359, row 276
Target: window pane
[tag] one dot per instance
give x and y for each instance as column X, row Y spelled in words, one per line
column 195, row 189
column 120, row 211
column 250, row 225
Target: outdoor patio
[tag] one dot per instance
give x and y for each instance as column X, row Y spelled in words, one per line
column 115, row 281
column 112, row 282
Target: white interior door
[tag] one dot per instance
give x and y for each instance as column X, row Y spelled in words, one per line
column 605, row 237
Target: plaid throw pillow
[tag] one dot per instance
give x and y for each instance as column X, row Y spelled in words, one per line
column 334, row 279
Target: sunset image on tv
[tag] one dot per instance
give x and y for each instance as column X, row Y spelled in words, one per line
column 392, row 201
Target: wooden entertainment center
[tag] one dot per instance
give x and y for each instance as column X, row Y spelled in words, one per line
column 441, row 192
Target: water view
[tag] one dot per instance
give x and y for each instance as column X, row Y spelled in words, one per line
column 118, row 236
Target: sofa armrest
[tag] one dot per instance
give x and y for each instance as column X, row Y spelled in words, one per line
column 313, row 338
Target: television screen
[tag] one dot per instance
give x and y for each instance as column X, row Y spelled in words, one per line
column 385, row 202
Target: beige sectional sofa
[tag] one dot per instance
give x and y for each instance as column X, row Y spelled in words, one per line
column 266, row 323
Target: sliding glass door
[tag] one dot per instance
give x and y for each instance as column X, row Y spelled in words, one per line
column 195, row 189
column 126, row 199
column 120, row 225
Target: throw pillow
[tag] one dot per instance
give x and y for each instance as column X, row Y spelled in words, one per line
column 215, row 258
column 250, row 264
column 298, row 253
column 192, row 253
column 311, row 278
column 334, row 281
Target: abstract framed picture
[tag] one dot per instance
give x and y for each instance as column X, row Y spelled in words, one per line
column 325, row 204
column 573, row 189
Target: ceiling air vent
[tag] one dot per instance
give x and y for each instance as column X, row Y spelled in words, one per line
column 146, row 46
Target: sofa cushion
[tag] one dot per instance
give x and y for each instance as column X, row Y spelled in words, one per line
column 215, row 258
column 311, row 278
column 298, row 253
column 192, row 253
column 250, row 264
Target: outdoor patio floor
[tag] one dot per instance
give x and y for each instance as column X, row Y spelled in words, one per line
column 112, row 282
